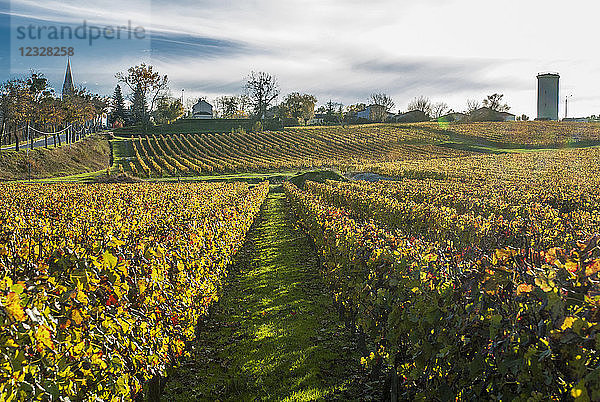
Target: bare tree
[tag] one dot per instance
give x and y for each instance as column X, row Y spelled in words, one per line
column 243, row 104
column 386, row 104
column 438, row 109
column 494, row 102
column 143, row 78
column 421, row 103
column 472, row 105
column 262, row 89
column 226, row 106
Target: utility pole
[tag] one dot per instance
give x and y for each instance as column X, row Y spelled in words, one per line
column 566, row 105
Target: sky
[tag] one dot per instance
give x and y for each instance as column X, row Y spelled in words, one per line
column 343, row 50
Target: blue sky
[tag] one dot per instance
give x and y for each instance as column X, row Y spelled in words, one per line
column 344, row 50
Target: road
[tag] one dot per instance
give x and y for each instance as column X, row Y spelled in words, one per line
column 39, row 142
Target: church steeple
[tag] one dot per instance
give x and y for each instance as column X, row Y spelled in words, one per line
column 68, row 87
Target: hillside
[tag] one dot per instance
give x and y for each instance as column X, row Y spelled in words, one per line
column 89, row 155
column 190, row 154
column 157, row 155
column 319, row 289
column 523, row 134
column 175, row 153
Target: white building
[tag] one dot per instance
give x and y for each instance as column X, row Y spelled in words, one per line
column 202, row 110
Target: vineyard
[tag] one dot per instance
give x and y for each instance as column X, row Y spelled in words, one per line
column 102, row 285
column 344, row 148
column 572, row 167
column 530, row 133
column 159, row 155
column 482, row 285
column 452, row 275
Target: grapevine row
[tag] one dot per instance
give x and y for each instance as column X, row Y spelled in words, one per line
column 513, row 324
column 101, row 286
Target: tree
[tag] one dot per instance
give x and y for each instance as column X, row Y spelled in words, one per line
column 438, row 109
column 333, row 111
column 149, row 83
column 38, row 86
column 353, row 109
column 340, row 115
column 118, row 106
column 80, row 109
column 331, row 107
column 100, row 104
column 17, row 106
column 233, row 107
column 300, row 107
column 139, row 108
column 472, row 105
column 386, row 103
column 40, row 94
column 52, row 115
column 262, row 89
column 243, row 106
column 30, row 102
column 168, row 109
column 420, row 103
column 494, row 102
column 226, row 106
column 25, row 97
column 189, row 103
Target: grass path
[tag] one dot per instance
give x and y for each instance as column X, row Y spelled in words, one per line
column 275, row 334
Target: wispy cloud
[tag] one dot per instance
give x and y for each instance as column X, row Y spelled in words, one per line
column 169, row 46
column 347, row 49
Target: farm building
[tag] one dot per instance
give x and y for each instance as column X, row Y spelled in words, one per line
column 505, row 116
column 202, row 110
column 453, row 116
column 318, row 119
column 371, row 112
column 487, row 114
column 414, row 116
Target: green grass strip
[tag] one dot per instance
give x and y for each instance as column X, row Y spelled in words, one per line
column 275, row 334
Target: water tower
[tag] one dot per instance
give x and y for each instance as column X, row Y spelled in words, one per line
column 547, row 101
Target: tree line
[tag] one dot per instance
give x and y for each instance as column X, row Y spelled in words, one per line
column 30, row 109
column 258, row 101
column 261, row 90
